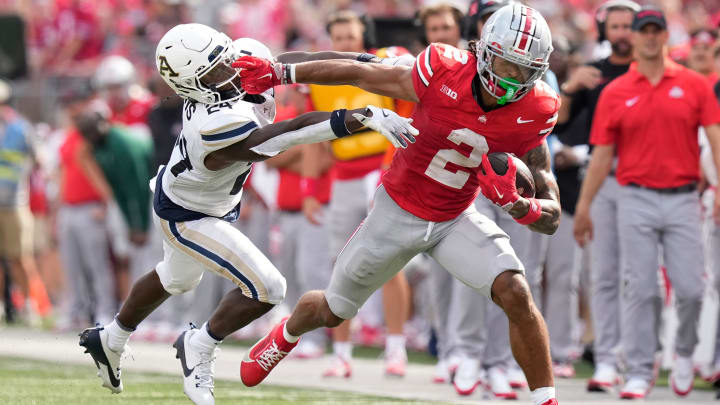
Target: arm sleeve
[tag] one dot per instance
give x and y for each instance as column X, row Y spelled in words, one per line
column 604, row 130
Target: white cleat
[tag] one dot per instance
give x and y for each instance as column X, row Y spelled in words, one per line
column 466, row 376
column 94, row 340
column 340, row 368
column 499, row 385
column 682, row 376
column 635, row 388
column 396, row 362
column 516, row 377
column 441, row 375
column 198, row 370
column 604, row 379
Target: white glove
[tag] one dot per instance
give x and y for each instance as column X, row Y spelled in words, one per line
column 402, row 60
column 395, row 128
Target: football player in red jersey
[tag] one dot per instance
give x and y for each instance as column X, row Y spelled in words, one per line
column 470, row 103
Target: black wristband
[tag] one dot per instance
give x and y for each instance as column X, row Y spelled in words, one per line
column 337, row 123
column 286, row 73
column 366, row 57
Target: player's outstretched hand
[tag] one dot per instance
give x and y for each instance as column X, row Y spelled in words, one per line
column 395, row 128
column 501, row 190
column 258, row 74
column 402, row 60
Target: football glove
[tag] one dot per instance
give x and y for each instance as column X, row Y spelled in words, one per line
column 258, row 74
column 395, row 128
column 501, row 190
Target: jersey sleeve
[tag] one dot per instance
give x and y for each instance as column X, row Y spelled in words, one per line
column 604, row 129
column 547, row 105
column 434, row 62
column 226, row 126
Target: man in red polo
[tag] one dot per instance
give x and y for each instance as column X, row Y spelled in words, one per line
column 651, row 116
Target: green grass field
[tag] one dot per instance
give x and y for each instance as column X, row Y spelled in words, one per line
column 26, row 382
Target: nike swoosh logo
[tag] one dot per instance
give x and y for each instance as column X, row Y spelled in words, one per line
column 498, row 192
column 631, row 102
column 522, row 121
column 180, row 346
column 385, row 114
column 90, row 339
column 265, row 75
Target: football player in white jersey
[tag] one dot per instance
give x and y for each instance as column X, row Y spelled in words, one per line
column 199, row 190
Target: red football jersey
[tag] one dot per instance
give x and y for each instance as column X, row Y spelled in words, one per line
column 436, row 178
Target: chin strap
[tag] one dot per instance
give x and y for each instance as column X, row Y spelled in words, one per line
column 510, row 90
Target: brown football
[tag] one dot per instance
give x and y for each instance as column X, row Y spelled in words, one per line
column 523, row 179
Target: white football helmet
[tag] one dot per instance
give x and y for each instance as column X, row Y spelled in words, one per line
column 194, row 60
column 114, row 70
column 518, row 34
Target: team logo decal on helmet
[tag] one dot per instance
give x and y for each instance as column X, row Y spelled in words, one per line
column 164, row 67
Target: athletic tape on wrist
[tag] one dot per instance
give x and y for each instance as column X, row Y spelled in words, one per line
column 533, row 214
column 337, row 123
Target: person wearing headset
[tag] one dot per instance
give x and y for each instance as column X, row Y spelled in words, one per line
column 580, row 94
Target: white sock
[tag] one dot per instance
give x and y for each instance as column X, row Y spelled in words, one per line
column 343, row 350
column 288, row 337
column 394, row 343
column 202, row 341
column 118, row 336
column 542, row 395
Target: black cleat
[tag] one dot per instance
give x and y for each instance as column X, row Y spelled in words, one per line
column 94, row 340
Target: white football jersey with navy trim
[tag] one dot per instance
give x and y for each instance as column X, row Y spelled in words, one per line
column 186, row 181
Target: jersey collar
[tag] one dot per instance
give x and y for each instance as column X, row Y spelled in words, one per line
column 671, row 70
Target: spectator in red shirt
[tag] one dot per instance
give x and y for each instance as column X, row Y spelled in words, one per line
column 651, row 116
column 82, row 232
column 700, row 58
column 80, row 38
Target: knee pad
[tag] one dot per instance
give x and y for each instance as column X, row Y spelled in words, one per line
column 276, row 288
column 176, row 285
column 341, row 307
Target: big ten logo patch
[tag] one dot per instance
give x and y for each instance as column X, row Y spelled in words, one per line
column 448, row 91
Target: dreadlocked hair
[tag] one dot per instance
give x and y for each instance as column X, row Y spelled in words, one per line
column 473, row 46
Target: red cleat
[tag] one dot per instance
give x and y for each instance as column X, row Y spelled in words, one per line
column 552, row 401
column 264, row 356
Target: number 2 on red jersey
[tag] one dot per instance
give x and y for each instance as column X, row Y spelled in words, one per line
column 437, row 169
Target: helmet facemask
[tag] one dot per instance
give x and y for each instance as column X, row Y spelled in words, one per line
column 507, row 89
column 221, row 80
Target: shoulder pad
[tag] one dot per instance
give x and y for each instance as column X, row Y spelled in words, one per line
column 223, row 122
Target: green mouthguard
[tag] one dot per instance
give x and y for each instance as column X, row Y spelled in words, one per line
column 510, row 90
